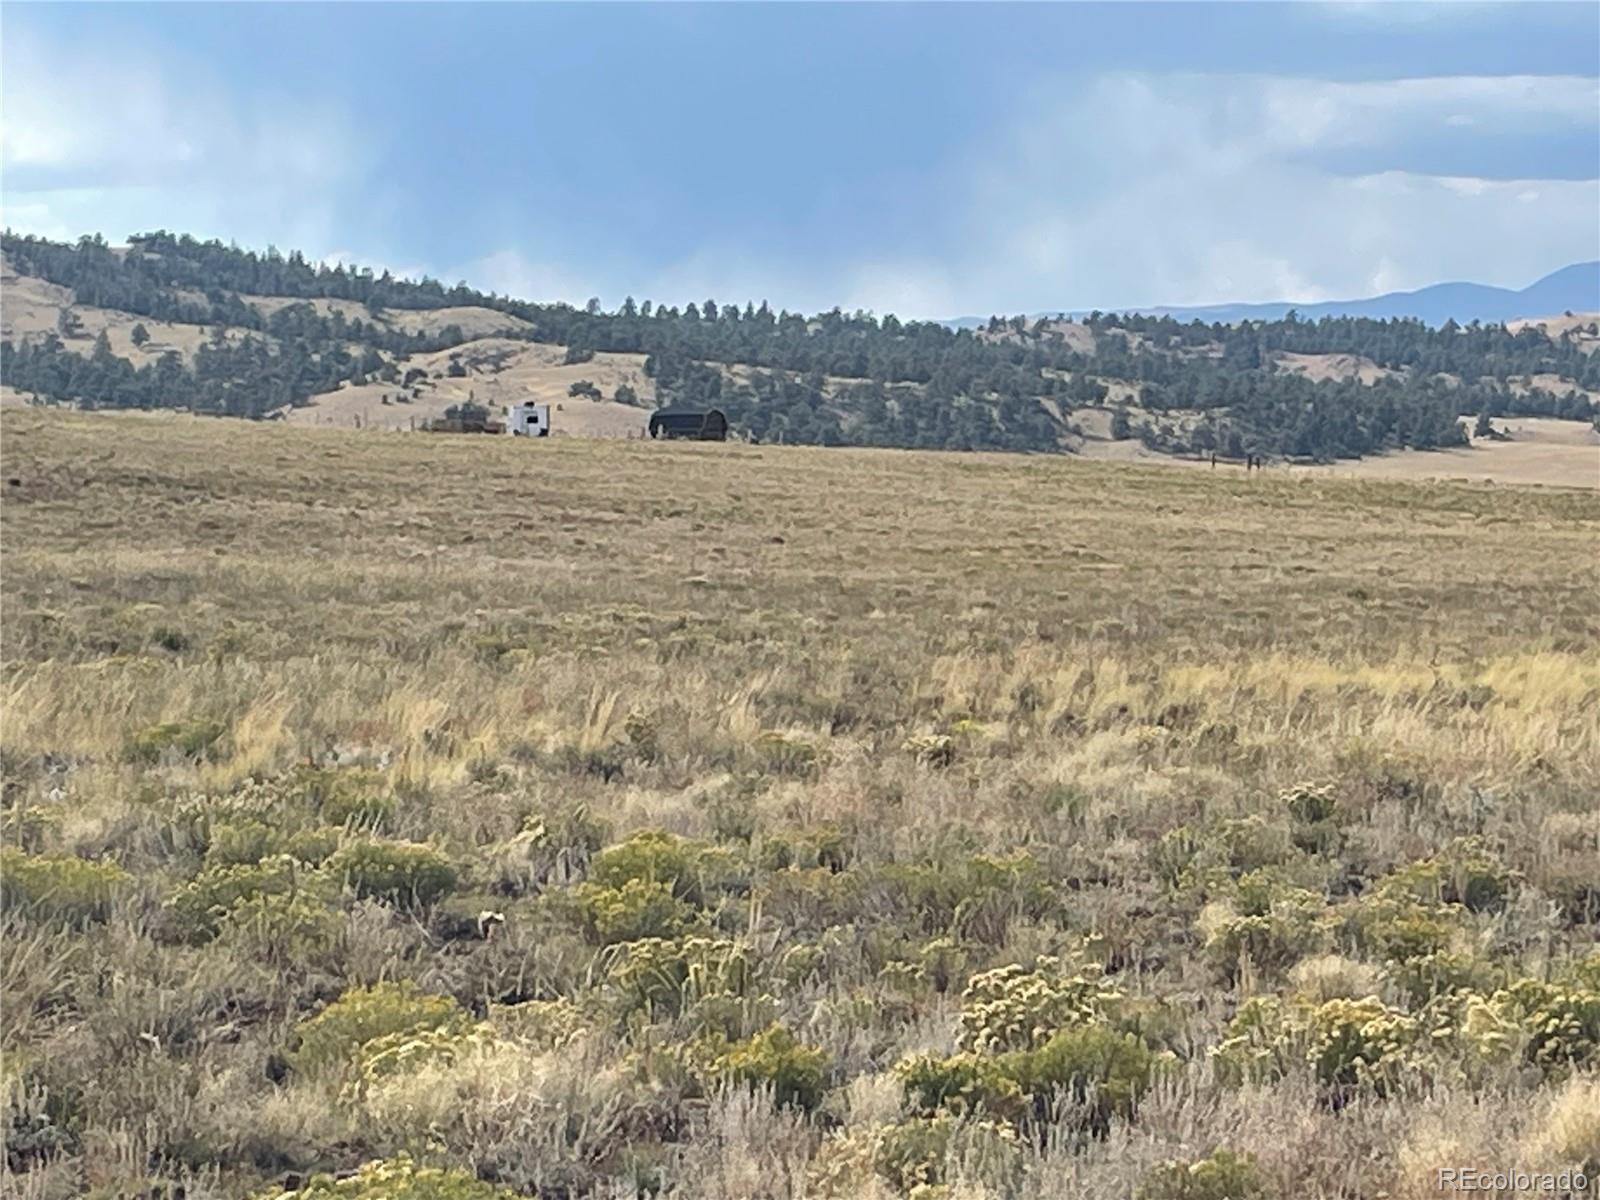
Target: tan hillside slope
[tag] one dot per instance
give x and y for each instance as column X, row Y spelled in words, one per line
column 499, row 371
column 30, row 308
column 1333, row 366
column 1576, row 324
column 1536, row 450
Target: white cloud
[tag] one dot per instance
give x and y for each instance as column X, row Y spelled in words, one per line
column 1129, row 189
column 95, row 141
column 1204, row 189
column 512, row 273
column 1184, row 189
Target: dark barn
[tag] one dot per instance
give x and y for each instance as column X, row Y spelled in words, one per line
column 703, row 425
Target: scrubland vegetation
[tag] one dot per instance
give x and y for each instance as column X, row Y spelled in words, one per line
column 392, row 816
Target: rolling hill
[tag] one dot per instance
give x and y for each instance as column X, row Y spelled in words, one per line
column 171, row 322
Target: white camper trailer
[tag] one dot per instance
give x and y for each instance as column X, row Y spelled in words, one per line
column 528, row 419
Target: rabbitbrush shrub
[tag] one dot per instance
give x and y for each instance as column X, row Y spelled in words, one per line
column 1014, row 1007
column 397, row 1178
column 1348, row 1044
column 774, row 1058
column 199, row 906
column 667, row 975
column 337, row 1036
column 689, row 870
column 915, row 1155
column 1095, row 1067
column 60, row 886
column 1220, row 1175
column 1463, row 873
column 638, row 909
column 400, row 873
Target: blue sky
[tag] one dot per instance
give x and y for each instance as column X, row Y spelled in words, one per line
column 928, row 159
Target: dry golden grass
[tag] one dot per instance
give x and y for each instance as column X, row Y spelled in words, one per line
column 500, row 371
column 1333, row 366
column 30, row 308
column 1537, row 450
column 1577, row 325
column 929, row 654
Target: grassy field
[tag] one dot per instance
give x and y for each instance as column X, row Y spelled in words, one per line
column 600, row 818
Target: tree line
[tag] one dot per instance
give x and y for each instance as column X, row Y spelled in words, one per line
column 828, row 378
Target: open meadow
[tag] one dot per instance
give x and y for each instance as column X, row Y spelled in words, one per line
column 608, row 818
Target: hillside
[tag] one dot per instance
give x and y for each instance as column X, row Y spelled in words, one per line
column 169, row 322
column 600, row 819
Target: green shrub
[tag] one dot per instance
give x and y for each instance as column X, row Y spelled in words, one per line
column 637, row 909
column 999, row 888
column 797, row 1073
column 342, row 795
column 60, row 886
column 402, row 873
column 974, row 897
column 392, row 1054
column 1093, row 1065
column 1220, row 1175
column 788, row 753
column 1582, row 972
column 1308, row 804
column 183, row 739
column 280, row 927
column 1359, row 1043
column 721, row 1017
column 336, row 1037
column 1250, row 843
column 1174, row 853
column 199, row 906
column 1400, row 929
column 242, row 840
column 1270, row 924
column 1014, row 1008
column 689, row 870
column 963, row 1084
column 353, row 803
column 1186, row 857
column 1463, row 873
column 1348, row 1044
column 29, row 828
column 821, row 846
column 811, row 899
column 314, row 846
column 1554, row 1026
column 1099, row 1069
column 544, row 1023
column 658, row 974
column 396, row 1178
column 1425, row 976
column 914, row 1155
column 1257, row 1046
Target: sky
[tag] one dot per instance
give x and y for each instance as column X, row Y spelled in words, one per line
column 932, row 160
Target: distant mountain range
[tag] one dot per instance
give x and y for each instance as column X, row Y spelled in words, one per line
column 1575, row 288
